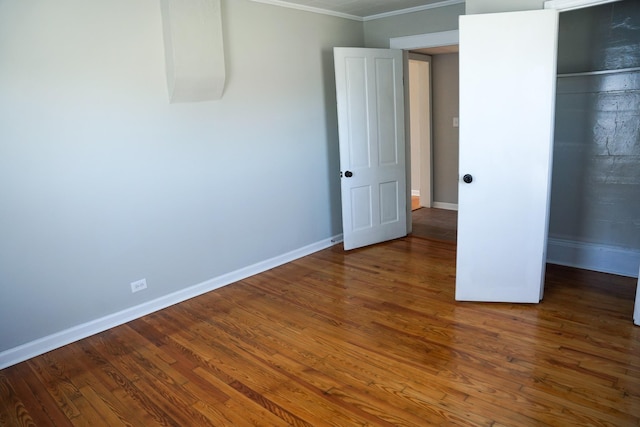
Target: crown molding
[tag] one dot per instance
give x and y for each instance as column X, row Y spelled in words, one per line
column 286, row 4
column 565, row 5
column 439, row 4
column 310, row 9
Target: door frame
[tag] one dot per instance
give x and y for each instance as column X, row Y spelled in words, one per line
column 423, row 98
column 419, row 41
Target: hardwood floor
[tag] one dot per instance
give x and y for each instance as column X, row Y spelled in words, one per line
column 415, row 203
column 433, row 223
column 369, row 337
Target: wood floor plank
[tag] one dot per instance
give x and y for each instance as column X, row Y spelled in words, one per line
column 41, row 406
column 56, row 383
column 142, row 406
column 158, row 381
column 88, row 378
column 13, row 411
column 367, row 337
column 265, row 379
column 103, row 404
column 248, row 411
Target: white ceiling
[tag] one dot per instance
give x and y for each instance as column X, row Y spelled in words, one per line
column 362, row 9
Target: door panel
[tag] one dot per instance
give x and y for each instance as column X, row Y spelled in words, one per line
column 361, row 208
column 389, row 196
column 507, row 92
column 372, row 148
column 359, row 154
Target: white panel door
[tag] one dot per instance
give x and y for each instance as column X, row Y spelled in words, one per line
column 372, row 148
column 507, row 100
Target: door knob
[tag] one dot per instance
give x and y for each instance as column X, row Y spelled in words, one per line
column 348, row 174
column 467, row 178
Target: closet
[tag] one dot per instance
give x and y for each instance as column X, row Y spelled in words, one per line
column 595, row 191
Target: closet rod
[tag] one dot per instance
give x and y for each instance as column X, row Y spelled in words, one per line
column 599, row 73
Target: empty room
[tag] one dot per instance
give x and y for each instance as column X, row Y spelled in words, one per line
column 205, row 214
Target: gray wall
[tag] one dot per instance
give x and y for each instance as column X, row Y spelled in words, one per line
column 605, row 37
column 494, row 6
column 103, row 182
column 378, row 32
column 596, row 172
column 445, row 98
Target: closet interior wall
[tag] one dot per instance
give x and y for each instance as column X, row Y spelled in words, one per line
column 595, row 196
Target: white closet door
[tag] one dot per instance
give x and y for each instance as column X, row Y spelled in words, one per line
column 507, row 100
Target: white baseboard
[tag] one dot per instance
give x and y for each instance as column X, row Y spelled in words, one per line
column 448, row 206
column 40, row 346
column 589, row 256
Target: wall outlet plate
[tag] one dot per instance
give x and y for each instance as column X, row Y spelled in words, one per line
column 138, row 285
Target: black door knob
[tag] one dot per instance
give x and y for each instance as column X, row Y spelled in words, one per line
column 348, row 174
column 467, row 178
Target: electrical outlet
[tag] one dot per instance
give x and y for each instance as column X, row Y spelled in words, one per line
column 138, row 285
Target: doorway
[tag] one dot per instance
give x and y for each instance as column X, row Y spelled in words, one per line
column 433, row 134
